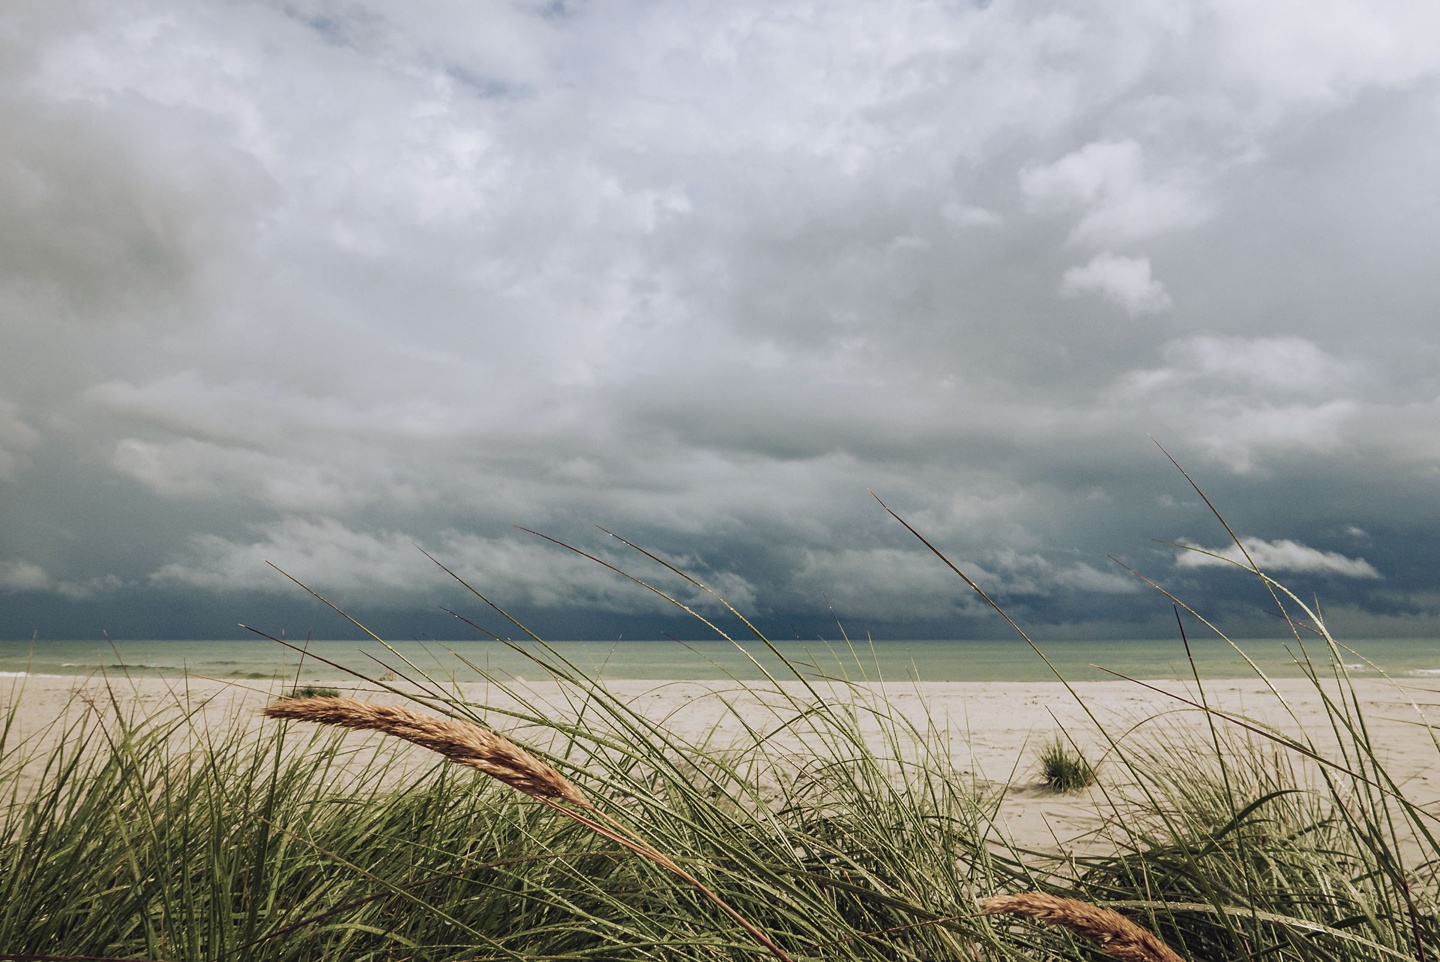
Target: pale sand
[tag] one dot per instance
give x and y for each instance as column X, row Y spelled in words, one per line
column 992, row 731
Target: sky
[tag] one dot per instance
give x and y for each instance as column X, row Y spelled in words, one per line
column 318, row 284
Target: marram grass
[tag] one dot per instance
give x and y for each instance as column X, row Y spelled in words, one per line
column 461, row 742
column 149, row 837
column 154, row 836
column 1064, row 768
column 1116, row 935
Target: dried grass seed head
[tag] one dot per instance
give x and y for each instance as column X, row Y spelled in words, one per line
column 461, row 742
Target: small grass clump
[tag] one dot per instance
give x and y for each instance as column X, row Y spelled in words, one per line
column 311, row 691
column 1064, row 769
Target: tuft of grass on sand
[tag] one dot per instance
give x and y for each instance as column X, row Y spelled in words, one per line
column 1064, row 768
column 312, row 691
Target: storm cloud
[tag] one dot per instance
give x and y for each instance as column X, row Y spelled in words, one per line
column 313, row 283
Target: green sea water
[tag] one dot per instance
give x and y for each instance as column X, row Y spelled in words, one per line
column 471, row 660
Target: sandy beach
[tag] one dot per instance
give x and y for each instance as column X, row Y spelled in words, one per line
column 991, row 731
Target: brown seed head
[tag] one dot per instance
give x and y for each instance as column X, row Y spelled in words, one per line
column 462, row 742
column 1116, row 936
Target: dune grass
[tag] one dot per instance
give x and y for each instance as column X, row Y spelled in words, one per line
column 157, row 837
column 1064, row 768
column 312, row 691
column 833, row 826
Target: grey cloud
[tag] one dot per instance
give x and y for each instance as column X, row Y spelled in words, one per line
column 92, row 230
column 16, row 437
column 293, row 274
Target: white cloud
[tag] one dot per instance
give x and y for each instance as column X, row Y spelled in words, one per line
column 1125, row 281
column 24, row 576
column 19, row 575
column 89, row 589
column 189, row 469
column 1262, row 366
column 384, row 569
column 1245, row 399
column 1106, row 181
column 901, row 584
column 1283, row 555
column 1243, row 435
column 1324, row 51
column 1084, row 577
column 888, row 583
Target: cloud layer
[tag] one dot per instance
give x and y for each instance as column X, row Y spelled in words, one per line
column 308, row 282
column 1279, row 556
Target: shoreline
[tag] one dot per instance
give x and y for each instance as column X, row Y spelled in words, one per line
column 715, row 660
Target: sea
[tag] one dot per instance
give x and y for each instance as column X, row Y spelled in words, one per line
column 333, row 662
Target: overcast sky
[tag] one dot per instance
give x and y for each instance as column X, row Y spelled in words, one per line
column 315, row 282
